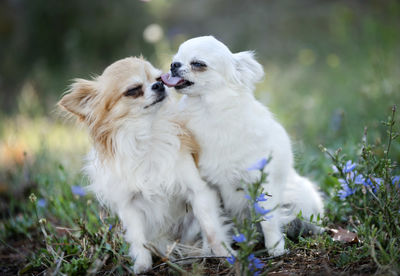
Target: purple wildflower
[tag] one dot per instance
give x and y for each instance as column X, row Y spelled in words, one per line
column 259, row 165
column 260, row 210
column 231, row 259
column 261, row 197
column 248, row 197
column 239, row 238
column 350, row 166
column 42, row 202
column 360, row 179
column 346, row 190
column 78, row 190
column 255, row 263
column 258, row 264
column 375, row 183
column 110, row 227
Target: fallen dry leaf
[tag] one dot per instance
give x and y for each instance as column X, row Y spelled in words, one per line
column 343, row 235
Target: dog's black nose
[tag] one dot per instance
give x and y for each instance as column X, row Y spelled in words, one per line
column 174, row 68
column 175, row 65
column 158, row 86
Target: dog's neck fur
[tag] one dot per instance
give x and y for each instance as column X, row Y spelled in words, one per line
column 216, row 104
column 137, row 146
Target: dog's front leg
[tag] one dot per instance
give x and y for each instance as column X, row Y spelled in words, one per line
column 134, row 223
column 273, row 236
column 206, row 209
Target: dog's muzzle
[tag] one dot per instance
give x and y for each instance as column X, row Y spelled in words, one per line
column 159, row 89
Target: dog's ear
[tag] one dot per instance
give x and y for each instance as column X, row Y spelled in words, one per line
column 247, row 69
column 78, row 100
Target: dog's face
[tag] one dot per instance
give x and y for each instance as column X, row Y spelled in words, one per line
column 128, row 89
column 204, row 65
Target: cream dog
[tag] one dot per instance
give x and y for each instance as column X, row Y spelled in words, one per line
column 141, row 164
column 234, row 130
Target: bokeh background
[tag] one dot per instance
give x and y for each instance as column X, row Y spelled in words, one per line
column 332, row 68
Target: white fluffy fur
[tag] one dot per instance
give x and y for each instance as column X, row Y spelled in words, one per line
column 234, row 131
column 149, row 184
column 151, row 180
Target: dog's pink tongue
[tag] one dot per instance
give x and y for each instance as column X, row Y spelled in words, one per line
column 171, row 81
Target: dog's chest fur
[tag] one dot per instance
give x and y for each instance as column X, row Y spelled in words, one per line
column 144, row 164
column 240, row 133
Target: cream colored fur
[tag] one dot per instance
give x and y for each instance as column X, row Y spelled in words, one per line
column 141, row 164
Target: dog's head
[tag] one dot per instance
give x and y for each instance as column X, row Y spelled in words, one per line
column 205, row 65
column 128, row 89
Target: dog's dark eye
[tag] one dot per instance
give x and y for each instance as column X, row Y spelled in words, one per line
column 198, row 64
column 158, row 79
column 135, row 92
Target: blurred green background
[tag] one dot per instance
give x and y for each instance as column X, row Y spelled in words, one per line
column 332, row 67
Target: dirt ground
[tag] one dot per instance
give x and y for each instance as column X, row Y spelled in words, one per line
column 15, row 255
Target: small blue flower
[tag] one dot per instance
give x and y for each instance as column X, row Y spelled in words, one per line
column 248, row 197
column 239, row 238
column 42, row 202
column 255, row 263
column 258, row 264
column 368, row 183
column 259, row 166
column 78, row 190
column 260, row 210
column 360, row 179
column 375, row 183
column 231, row 259
column 110, row 227
column 261, row 197
column 346, row 190
column 350, row 166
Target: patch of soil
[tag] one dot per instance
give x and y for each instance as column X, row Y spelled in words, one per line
column 14, row 254
column 298, row 262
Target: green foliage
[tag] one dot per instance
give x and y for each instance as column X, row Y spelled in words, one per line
column 369, row 195
column 88, row 239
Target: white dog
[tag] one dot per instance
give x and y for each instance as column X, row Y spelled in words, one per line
column 234, row 130
column 141, row 164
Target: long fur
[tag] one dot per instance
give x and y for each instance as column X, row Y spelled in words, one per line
column 141, row 164
column 234, row 131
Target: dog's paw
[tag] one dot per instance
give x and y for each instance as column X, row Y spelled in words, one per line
column 278, row 249
column 142, row 262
